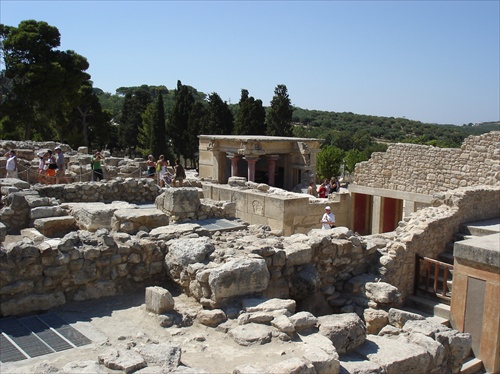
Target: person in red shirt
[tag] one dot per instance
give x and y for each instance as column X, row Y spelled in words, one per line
column 322, row 191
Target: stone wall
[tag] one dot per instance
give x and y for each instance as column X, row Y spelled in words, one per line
column 285, row 212
column 78, row 267
column 132, row 190
column 428, row 231
column 426, row 169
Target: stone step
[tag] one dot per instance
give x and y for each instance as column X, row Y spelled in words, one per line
column 55, row 226
column 481, row 228
column 429, row 306
column 427, row 316
column 472, row 365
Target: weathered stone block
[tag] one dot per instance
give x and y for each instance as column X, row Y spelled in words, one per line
column 159, row 300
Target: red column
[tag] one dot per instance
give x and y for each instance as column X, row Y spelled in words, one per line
column 234, row 163
column 272, row 168
column 251, row 168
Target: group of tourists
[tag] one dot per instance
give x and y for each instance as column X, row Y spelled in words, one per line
column 51, row 166
column 326, row 188
column 164, row 172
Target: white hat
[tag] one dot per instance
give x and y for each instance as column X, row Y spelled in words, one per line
column 57, row 148
column 327, row 208
column 40, row 153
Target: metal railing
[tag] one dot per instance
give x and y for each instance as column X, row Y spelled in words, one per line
column 432, row 277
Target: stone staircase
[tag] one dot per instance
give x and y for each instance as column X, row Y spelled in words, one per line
column 438, row 309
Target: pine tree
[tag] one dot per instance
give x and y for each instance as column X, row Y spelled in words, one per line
column 279, row 115
column 179, row 118
column 250, row 117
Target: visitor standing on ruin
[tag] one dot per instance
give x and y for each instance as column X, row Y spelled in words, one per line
column 322, row 192
column 161, row 168
column 61, row 166
column 151, row 167
column 180, row 174
column 95, row 162
column 11, row 165
column 334, row 185
column 311, row 190
column 328, row 219
column 50, row 169
column 42, row 167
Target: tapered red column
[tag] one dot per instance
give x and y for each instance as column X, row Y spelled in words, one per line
column 272, row 168
column 234, row 163
column 251, row 167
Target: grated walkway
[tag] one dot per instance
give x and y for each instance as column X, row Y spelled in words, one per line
column 37, row 335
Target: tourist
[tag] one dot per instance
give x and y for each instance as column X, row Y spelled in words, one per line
column 328, row 219
column 11, row 165
column 322, row 192
column 95, row 162
column 161, row 168
column 180, row 174
column 334, row 185
column 311, row 190
column 50, row 169
column 61, row 167
column 151, row 167
column 41, row 166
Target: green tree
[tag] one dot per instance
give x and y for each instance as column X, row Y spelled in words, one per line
column 250, row 117
column 130, row 120
column 218, row 118
column 352, row 157
column 328, row 162
column 44, row 82
column 152, row 133
column 279, row 115
column 178, row 123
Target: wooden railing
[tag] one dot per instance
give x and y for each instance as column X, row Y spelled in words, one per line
column 432, row 277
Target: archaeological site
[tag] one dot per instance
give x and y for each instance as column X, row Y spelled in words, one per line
column 232, row 272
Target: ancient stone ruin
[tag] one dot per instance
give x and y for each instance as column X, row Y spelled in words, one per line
column 335, row 296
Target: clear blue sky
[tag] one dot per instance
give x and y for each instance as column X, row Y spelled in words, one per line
column 432, row 61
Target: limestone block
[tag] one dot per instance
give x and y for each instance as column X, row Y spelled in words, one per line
column 275, row 208
column 159, row 300
column 33, row 234
column 292, row 365
column 93, row 216
column 132, row 221
column 46, row 211
column 303, row 320
column 383, row 293
column 211, row 318
column 375, row 320
column 398, row 317
column 268, row 305
column 164, row 355
column 251, row 334
column 298, row 254
column 395, row 356
column 126, row 360
column 55, row 226
column 180, row 200
column 32, row 303
column 323, row 362
column 283, row 324
column 346, row 331
column 352, row 363
column 238, row 277
column 457, row 346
